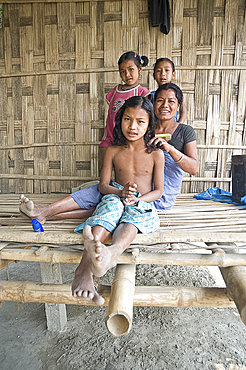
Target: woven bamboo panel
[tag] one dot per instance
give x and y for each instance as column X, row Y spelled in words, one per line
column 58, row 59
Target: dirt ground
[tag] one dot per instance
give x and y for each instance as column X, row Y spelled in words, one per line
column 160, row 338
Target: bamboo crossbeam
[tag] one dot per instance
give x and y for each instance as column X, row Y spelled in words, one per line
column 90, row 178
column 47, row 1
column 23, row 291
column 51, row 178
column 115, row 69
column 120, row 307
column 44, row 145
column 158, row 237
column 178, row 259
column 77, row 143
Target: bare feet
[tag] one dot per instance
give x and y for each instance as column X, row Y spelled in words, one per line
column 102, row 258
column 30, row 209
column 83, row 284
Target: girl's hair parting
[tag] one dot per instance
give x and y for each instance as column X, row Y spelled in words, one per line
column 164, row 60
column 140, row 61
column 171, row 86
column 134, row 102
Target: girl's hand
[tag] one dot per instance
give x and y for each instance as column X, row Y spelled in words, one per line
column 128, row 191
column 161, row 143
column 130, row 201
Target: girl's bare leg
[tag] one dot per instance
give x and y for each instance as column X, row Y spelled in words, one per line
column 83, row 284
column 60, row 210
column 105, row 257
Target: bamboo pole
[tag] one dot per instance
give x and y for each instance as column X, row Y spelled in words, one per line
column 90, row 178
column 51, row 178
column 120, row 307
column 40, row 145
column 235, row 279
column 115, row 69
column 144, row 296
column 178, row 259
column 158, row 237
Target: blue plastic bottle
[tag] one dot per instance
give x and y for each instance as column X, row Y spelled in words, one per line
column 37, row 226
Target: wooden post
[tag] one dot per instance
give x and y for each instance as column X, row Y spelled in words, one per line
column 235, row 279
column 56, row 314
column 120, row 307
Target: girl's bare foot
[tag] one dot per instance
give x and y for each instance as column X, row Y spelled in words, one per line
column 83, row 283
column 102, row 258
column 30, row 209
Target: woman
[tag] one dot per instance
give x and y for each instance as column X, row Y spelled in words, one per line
column 181, row 151
column 180, row 156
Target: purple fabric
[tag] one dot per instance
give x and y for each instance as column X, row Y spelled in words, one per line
column 173, row 176
column 87, row 198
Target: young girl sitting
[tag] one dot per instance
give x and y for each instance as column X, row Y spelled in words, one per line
column 130, row 68
column 128, row 201
column 164, row 72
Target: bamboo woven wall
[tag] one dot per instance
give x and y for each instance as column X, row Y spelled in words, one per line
column 59, row 59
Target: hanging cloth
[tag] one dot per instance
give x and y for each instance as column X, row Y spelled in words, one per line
column 159, row 14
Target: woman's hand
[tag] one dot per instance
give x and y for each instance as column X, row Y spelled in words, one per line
column 161, row 143
column 128, row 198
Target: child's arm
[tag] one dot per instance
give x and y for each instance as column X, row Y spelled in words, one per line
column 183, row 113
column 106, row 173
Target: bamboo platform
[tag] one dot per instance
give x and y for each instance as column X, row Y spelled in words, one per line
column 194, row 233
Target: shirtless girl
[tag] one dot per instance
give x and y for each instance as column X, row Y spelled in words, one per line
column 127, row 205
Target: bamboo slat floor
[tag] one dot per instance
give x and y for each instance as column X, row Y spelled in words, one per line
column 190, row 220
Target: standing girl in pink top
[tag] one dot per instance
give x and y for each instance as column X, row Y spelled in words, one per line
column 130, row 68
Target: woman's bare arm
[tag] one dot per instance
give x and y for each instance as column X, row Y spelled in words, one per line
column 187, row 161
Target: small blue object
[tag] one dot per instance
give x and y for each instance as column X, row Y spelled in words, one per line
column 37, row 226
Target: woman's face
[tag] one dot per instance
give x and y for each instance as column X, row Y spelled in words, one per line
column 166, row 105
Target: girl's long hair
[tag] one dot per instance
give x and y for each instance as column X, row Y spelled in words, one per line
column 134, row 102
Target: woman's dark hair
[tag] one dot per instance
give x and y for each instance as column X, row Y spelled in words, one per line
column 164, row 60
column 171, row 86
column 140, row 61
column 134, row 102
